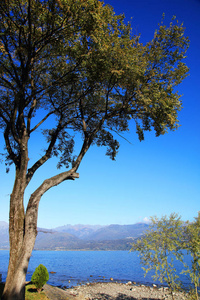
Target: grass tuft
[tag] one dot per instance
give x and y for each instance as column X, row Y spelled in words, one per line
column 31, row 292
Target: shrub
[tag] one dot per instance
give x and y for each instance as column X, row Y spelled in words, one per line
column 40, row 277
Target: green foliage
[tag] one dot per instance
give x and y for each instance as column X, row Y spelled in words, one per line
column 79, row 61
column 192, row 245
column 40, row 277
column 163, row 243
column 158, row 248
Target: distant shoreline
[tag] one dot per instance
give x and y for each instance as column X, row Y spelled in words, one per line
column 56, row 250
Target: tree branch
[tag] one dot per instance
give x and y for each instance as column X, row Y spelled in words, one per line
column 57, row 179
column 120, row 135
column 47, row 154
column 42, row 121
column 12, row 155
column 11, row 61
column 2, row 115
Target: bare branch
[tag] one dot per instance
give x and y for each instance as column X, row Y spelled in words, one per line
column 6, row 112
column 47, row 154
column 120, row 135
column 8, row 83
column 42, row 121
column 12, row 155
column 11, row 61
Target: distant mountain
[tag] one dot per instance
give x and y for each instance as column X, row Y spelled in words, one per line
column 101, row 233
column 84, row 237
column 115, row 232
column 52, row 240
column 3, row 225
column 79, row 230
column 4, row 236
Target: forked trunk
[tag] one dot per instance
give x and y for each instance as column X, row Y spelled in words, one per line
column 22, row 235
column 22, row 241
column 15, row 282
column 23, row 226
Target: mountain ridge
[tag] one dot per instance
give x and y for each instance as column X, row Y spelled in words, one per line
column 82, row 237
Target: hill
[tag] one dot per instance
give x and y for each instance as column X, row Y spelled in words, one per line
column 84, row 237
column 115, row 232
column 79, row 230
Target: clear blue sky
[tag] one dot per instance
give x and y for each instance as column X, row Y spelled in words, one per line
column 155, row 177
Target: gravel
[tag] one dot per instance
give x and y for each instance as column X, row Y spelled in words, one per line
column 119, row 291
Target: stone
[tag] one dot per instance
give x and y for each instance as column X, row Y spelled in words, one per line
column 73, row 293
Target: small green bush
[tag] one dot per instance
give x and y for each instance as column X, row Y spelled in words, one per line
column 40, row 277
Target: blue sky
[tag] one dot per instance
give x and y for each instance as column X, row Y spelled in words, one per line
column 155, row 177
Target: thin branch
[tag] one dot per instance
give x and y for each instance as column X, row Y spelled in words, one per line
column 8, row 84
column 47, row 154
column 11, row 61
column 42, row 121
column 12, row 122
column 12, row 155
column 120, row 135
column 9, row 72
column 34, row 103
column 7, row 113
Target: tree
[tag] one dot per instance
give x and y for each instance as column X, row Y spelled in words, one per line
column 192, row 245
column 158, row 248
column 77, row 64
column 40, row 277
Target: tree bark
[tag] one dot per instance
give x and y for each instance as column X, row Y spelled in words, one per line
column 23, row 226
column 20, row 250
column 12, row 288
column 23, row 232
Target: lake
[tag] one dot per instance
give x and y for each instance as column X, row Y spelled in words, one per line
column 86, row 266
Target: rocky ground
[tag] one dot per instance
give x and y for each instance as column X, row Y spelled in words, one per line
column 118, row 291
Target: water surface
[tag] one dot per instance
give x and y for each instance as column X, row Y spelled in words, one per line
column 75, row 267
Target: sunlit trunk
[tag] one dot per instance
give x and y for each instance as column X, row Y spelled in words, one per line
column 23, row 225
column 22, row 232
column 20, row 251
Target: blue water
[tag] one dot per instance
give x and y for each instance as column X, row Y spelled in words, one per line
column 86, row 266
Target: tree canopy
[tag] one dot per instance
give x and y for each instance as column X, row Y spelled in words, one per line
column 79, row 62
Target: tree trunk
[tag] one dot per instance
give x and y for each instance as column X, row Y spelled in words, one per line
column 23, row 226
column 22, row 231
column 20, row 250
